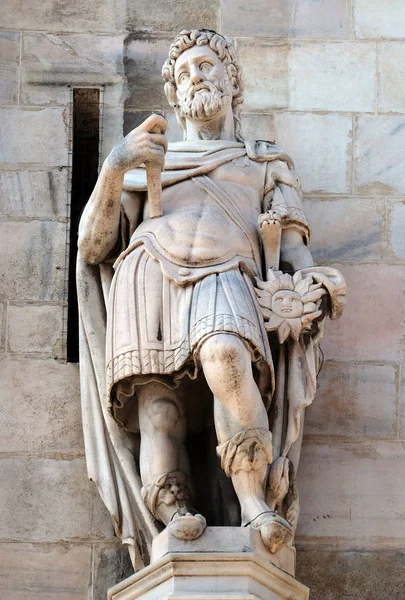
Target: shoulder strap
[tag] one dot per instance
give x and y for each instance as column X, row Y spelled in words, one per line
column 233, row 212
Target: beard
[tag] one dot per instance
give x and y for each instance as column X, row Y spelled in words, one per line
column 202, row 103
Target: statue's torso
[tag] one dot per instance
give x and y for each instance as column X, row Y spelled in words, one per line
column 195, row 229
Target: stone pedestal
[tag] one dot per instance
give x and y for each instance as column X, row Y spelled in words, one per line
column 225, row 563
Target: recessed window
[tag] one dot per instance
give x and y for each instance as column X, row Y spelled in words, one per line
column 85, row 141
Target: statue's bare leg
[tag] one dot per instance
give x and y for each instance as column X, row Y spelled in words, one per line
column 164, row 464
column 244, row 439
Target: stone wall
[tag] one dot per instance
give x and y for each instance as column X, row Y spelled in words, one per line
column 325, row 79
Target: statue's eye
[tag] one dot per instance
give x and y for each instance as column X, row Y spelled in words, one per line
column 205, row 66
column 295, row 299
column 183, row 77
column 279, row 299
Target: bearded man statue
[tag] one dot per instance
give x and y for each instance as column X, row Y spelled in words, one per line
column 174, row 344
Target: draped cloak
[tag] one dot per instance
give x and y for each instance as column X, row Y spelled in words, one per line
column 111, row 451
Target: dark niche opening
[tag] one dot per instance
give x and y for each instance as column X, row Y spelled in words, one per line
column 85, row 144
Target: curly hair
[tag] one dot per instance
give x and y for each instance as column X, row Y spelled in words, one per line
column 226, row 52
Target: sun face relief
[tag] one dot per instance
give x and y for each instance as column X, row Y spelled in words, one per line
column 204, row 89
column 287, row 304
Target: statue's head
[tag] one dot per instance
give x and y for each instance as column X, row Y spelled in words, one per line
column 203, row 77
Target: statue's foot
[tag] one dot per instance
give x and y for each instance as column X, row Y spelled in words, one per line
column 274, row 530
column 187, row 527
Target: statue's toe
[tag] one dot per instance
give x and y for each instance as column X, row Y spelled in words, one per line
column 188, row 527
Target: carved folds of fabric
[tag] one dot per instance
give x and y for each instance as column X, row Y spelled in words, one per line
column 247, row 450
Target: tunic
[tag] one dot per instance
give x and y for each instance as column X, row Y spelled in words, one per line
column 186, row 276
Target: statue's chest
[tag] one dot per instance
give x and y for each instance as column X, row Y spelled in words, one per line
column 243, row 172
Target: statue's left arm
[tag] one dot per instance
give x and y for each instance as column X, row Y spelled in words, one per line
column 294, row 250
column 283, row 208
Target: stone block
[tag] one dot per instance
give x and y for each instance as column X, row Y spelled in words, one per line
column 45, row 499
column 224, row 540
column 346, row 230
column 144, row 58
column 33, row 260
column 258, row 127
column 36, row 136
column 352, row 575
column 320, row 146
column 401, row 409
column 354, row 400
column 379, row 19
column 396, row 229
column 321, row 19
column 391, row 96
column 35, row 328
column 51, row 63
column 111, row 564
column 172, row 16
column 332, row 76
column 43, row 15
column 44, row 571
column 256, row 18
column 371, row 325
column 210, row 576
column 265, row 66
column 34, row 193
column 3, row 319
column 41, row 400
column 112, row 130
column 379, row 156
column 352, row 493
column 9, row 66
column 325, row 19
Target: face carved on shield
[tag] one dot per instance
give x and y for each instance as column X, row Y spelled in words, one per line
column 204, row 89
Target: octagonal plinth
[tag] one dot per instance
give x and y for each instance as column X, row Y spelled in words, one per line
column 225, row 563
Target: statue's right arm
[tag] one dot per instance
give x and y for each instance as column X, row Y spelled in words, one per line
column 100, row 223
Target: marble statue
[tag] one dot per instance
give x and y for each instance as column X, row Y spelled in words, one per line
column 200, row 316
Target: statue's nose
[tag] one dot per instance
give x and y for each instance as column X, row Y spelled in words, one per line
column 196, row 75
column 175, row 489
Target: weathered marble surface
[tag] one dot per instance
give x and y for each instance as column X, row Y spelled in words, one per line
column 326, row 134
column 41, row 194
column 33, row 260
column 224, row 563
column 224, row 540
column 9, row 65
column 51, row 63
column 287, row 18
column 183, row 294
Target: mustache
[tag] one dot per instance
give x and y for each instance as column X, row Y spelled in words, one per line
column 208, row 86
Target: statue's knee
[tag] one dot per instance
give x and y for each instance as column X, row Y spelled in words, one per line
column 163, row 415
column 224, row 349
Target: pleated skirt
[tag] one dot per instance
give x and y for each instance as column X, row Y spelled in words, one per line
column 155, row 326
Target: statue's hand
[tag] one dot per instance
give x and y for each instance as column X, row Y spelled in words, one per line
column 145, row 144
column 271, row 219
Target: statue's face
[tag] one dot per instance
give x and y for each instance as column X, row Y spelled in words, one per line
column 287, row 304
column 173, row 490
column 204, row 89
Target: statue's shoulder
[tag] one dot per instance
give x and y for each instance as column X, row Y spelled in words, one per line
column 266, row 151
